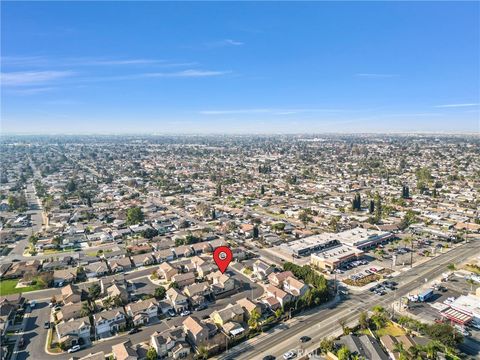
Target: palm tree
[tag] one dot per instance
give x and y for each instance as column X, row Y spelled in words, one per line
column 408, row 240
column 471, row 282
column 107, row 302
column 451, row 267
column 203, row 352
column 85, row 310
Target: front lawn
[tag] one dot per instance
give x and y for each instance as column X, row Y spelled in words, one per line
column 390, row 329
column 7, row 287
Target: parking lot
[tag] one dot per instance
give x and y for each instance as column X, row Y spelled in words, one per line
column 443, row 294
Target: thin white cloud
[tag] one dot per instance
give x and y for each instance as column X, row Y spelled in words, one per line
column 190, row 73
column 267, row 111
column 376, row 75
column 456, row 105
column 233, row 42
column 43, row 61
column 32, row 77
column 223, row 43
column 30, row 91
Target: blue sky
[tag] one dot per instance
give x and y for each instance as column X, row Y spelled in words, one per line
column 118, row 67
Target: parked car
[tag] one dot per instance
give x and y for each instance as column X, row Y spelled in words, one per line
column 305, row 339
column 185, row 313
column 462, row 330
column 269, row 357
column 289, row 355
column 171, row 312
column 46, row 325
column 74, row 348
column 201, row 307
column 134, row 331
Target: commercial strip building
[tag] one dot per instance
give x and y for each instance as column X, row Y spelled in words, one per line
column 334, row 257
column 331, row 250
column 464, row 309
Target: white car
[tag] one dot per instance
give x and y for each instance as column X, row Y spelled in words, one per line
column 185, row 313
column 289, row 355
column 462, row 330
column 73, row 349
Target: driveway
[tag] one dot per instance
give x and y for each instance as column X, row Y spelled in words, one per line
column 35, row 335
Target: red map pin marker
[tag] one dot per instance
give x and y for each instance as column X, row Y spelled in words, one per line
column 222, row 256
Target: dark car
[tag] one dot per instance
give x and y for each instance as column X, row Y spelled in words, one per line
column 201, row 307
column 46, row 325
column 134, row 331
column 269, row 357
column 305, row 339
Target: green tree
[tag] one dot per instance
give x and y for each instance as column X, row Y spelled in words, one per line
column 451, row 267
column 343, row 353
column 326, row 345
column 253, row 320
column 149, row 233
column 173, row 285
column 151, row 354
column 85, row 310
column 160, row 293
column 255, row 232
column 304, row 217
column 71, row 185
column 363, row 320
column 378, row 208
column 278, row 313
column 202, row 352
column 94, row 291
column 134, row 216
column 445, row 334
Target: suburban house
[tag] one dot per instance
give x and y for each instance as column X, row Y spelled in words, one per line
column 166, row 342
column 70, row 311
column 109, row 322
column 196, row 331
column 164, row 255
column 142, row 312
column 294, row 287
column 220, row 283
column 8, row 306
column 261, row 269
column 197, row 292
column 281, row 296
column 178, row 300
column 71, row 294
column 69, row 332
column 96, row 269
column 228, row 313
column 120, row 265
column 166, row 271
column 184, row 279
column 64, row 276
column 276, row 279
column 125, row 351
column 143, row 260
column 249, row 306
